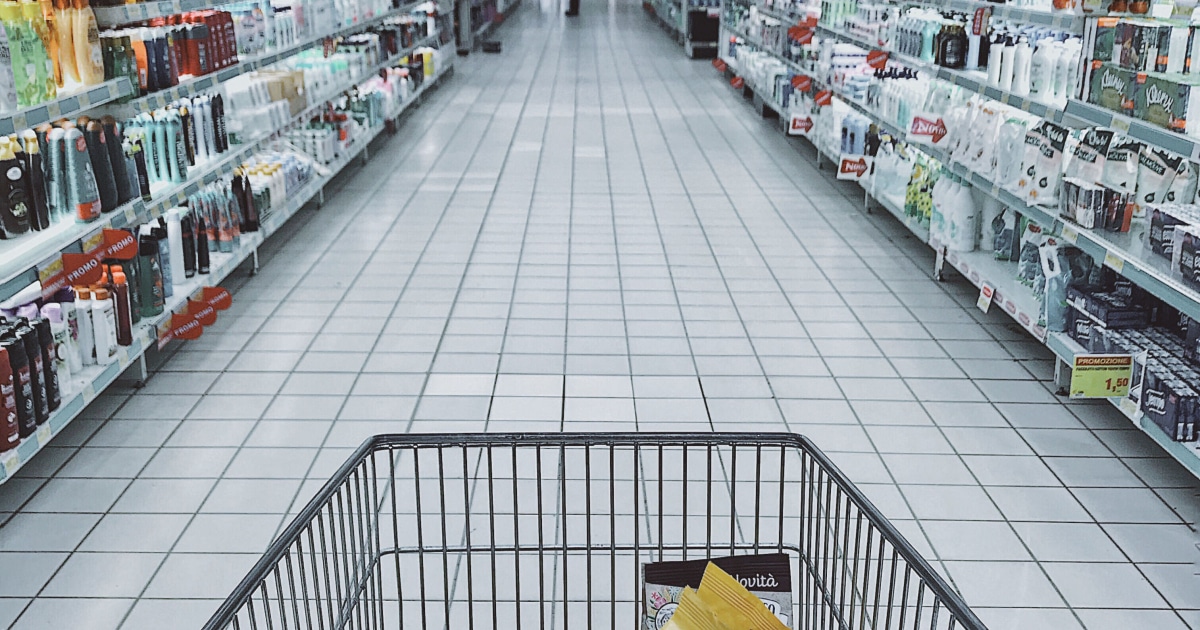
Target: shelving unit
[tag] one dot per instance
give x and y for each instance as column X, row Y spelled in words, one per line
column 19, row 265
column 68, row 106
column 1123, row 252
column 96, row 379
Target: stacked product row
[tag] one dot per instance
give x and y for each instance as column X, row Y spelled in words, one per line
column 47, row 48
column 77, row 170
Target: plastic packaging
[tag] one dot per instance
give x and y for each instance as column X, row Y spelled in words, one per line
column 82, row 194
column 104, row 319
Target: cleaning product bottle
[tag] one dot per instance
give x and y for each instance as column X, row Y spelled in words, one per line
column 1022, row 60
column 87, row 334
column 123, row 307
column 10, row 425
column 53, row 314
column 36, row 180
column 85, row 38
column 56, row 191
column 82, row 194
column 31, row 10
column 150, row 276
column 97, row 148
column 116, row 159
column 104, row 319
column 14, row 202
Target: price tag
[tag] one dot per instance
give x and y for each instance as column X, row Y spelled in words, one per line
column 11, row 463
column 123, row 357
column 130, row 215
column 176, row 7
column 986, row 293
column 19, row 122
column 114, row 90
column 1128, row 407
column 1120, row 123
column 1069, row 234
column 44, row 435
column 1101, row 375
column 53, row 110
column 1116, row 262
column 89, row 393
column 85, row 99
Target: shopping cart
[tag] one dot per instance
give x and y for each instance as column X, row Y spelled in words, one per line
column 551, row 530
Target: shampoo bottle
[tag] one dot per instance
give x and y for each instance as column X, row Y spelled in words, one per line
column 32, row 11
column 37, row 370
column 1007, row 63
column 64, row 25
column 53, row 314
column 85, row 38
column 10, row 425
column 56, row 191
column 8, row 80
column 18, row 361
column 45, row 337
column 123, row 307
column 104, row 317
column 36, row 180
column 116, row 158
column 175, row 247
column 82, row 194
column 14, row 206
column 150, row 276
column 1022, row 57
column 106, row 183
column 164, row 256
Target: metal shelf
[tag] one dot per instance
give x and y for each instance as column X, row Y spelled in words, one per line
column 129, row 13
column 21, row 257
column 1187, row 454
column 68, row 106
column 1061, row 20
column 96, row 379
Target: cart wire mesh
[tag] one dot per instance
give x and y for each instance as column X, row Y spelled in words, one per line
column 497, row 531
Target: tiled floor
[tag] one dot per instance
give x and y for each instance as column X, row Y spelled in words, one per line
column 590, row 232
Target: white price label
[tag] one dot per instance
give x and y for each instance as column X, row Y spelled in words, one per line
column 114, row 90
column 130, row 214
column 1128, row 407
column 53, row 110
column 89, row 393
column 11, row 463
column 85, row 99
column 986, row 294
column 1069, row 234
column 1120, row 123
column 19, row 122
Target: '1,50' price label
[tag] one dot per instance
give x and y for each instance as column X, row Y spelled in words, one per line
column 1101, row 375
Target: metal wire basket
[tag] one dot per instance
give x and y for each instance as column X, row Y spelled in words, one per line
column 513, row 530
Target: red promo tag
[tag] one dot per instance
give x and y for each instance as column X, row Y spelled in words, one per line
column 119, row 245
column 933, row 129
column 737, row 82
column 877, row 59
column 202, row 312
column 81, row 269
column 853, row 167
column 216, row 297
column 980, row 20
column 801, row 34
column 801, row 125
column 179, row 326
column 823, row 98
column 802, row 83
column 720, row 65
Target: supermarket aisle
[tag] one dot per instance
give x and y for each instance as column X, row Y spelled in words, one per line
column 590, row 232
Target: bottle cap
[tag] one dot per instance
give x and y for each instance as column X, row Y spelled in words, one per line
column 101, row 294
column 28, row 311
column 83, row 293
column 53, row 312
column 119, row 277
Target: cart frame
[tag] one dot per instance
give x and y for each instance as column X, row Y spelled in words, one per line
column 852, row 569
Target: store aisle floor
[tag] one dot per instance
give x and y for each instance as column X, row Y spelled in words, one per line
column 590, row 232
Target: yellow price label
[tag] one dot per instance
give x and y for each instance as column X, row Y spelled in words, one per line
column 1120, row 123
column 1116, row 262
column 1069, row 234
column 1101, row 375
column 12, row 463
column 44, row 435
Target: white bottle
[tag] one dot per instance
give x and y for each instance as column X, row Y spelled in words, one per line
column 104, row 320
column 1041, row 69
column 62, row 346
column 1007, row 59
column 87, row 336
column 994, row 55
column 175, row 246
column 1068, row 61
column 1022, row 58
column 75, row 358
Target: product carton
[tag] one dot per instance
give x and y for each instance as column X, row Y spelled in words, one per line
column 1168, row 102
column 1112, row 87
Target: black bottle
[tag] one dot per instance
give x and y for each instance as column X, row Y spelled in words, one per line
column 37, row 369
column 22, row 381
column 49, row 367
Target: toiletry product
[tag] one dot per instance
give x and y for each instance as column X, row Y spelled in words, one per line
column 159, row 231
column 85, row 38
column 37, row 368
column 104, row 319
column 54, row 162
column 66, row 301
column 116, row 158
column 1007, row 63
column 97, row 149
column 175, row 246
column 123, row 307
column 82, row 193
column 18, row 360
column 150, row 276
column 187, row 226
column 15, row 215
column 1022, row 58
column 45, row 338
column 87, row 335
column 53, row 315
column 31, row 10
column 35, row 173
column 10, row 425
column 64, row 23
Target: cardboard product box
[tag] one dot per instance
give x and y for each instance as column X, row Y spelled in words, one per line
column 1139, row 45
column 1112, row 87
column 1104, row 44
column 1118, row 209
column 1184, row 263
column 1163, row 221
column 1168, row 102
column 1079, row 328
column 1173, row 41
